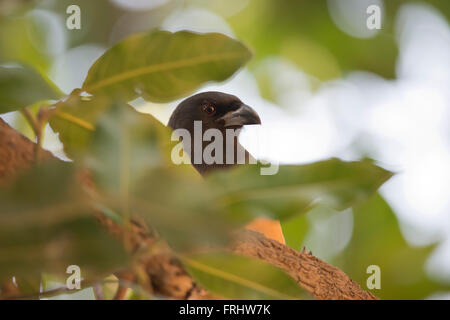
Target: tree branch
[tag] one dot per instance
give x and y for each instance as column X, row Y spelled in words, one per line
column 322, row 280
column 164, row 274
column 16, row 152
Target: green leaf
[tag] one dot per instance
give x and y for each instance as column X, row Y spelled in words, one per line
column 162, row 66
column 296, row 188
column 236, row 277
column 46, row 224
column 130, row 160
column 24, row 86
column 295, row 230
column 182, row 208
column 74, row 120
column 124, row 146
column 377, row 240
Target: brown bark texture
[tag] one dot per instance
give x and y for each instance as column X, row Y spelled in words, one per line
column 163, row 273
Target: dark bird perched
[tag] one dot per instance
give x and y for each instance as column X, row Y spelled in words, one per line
column 215, row 110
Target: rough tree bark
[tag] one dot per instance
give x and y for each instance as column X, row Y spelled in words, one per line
column 165, row 274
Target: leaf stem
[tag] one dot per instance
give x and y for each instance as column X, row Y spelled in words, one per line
column 32, row 121
column 36, row 126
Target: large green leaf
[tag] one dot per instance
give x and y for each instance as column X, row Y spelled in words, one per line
column 23, row 86
column 296, row 188
column 129, row 157
column 236, row 277
column 163, row 66
column 46, row 225
column 377, row 240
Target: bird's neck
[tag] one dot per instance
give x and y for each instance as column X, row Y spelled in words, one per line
column 227, row 152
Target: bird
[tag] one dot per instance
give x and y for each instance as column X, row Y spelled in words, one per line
column 222, row 112
column 214, row 110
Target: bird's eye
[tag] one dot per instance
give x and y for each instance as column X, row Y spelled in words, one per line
column 209, row 109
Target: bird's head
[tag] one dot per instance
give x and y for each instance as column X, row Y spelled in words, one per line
column 215, row 110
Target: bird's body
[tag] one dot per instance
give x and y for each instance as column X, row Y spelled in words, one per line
column 223, row 113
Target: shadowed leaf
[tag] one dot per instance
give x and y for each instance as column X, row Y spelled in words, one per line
column 47, row 225
column 296, row 188
column 24, row 86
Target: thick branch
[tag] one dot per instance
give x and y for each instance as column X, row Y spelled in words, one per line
column 322, row 280
column 164, row 274
column 16, row 152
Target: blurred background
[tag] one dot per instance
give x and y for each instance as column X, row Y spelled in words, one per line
column 324, row 84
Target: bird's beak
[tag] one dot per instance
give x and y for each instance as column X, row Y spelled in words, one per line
column 240, row 117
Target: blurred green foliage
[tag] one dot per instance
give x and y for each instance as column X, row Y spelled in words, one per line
column 377, row 240
column 18, row 39
column 130, row 160
column 14, row 81
column 296, row 189
column 74, row 120
column 303, row 32
column 46, row 224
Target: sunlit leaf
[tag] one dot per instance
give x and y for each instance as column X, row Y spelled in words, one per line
column 22, row 39
column 46, row 225
column 23, row 86
column 296, row 188
column 236, row 277
column 74, row 120
column 163, row 66
column 377, row 240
